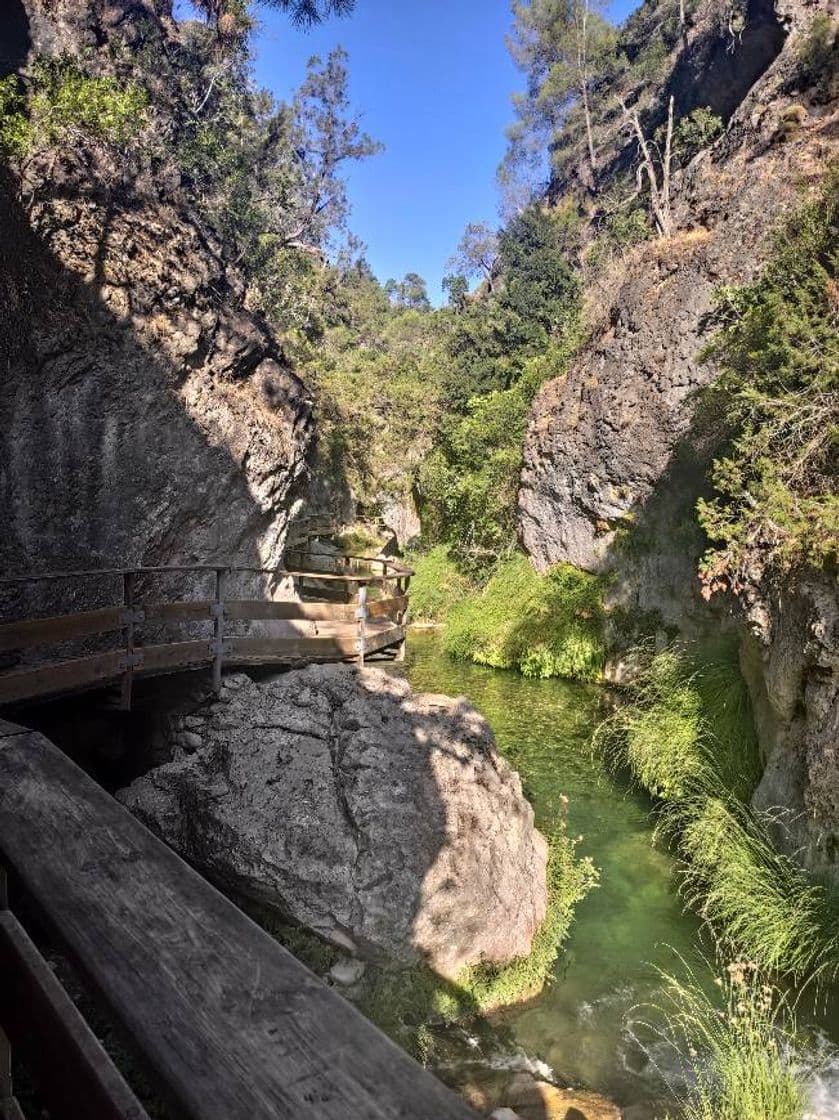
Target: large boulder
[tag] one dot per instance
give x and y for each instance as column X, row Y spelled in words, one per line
column 384, row 821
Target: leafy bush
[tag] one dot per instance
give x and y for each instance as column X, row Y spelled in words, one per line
column 777, row 503
column 694, row 132
column 544, row 626
column 61, row 102
column 468, row 484
column 743, row 1055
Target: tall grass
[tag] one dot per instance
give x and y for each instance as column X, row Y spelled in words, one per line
column 547, row 625
column 437, row 584
column 742, row 1055
column 687, row 736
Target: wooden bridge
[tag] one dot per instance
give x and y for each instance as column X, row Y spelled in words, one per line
column 353, row 610
column 222, row 1021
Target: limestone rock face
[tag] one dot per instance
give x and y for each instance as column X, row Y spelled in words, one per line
column 792, row 665
column 147, row 416
column 382, row 820
column 605, row 441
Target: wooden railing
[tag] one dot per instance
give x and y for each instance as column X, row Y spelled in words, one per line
column 349, row 612
column 223, row 1021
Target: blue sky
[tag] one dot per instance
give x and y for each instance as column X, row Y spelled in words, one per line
column 433, row 82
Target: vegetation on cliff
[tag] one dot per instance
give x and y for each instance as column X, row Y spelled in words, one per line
column 776, row 505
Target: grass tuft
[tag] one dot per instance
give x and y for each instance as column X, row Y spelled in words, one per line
column 686, row 735
column 547, row 625
column 570, row 879
column 742, row 1055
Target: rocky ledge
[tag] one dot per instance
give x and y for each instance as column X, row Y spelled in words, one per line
column 384, row 821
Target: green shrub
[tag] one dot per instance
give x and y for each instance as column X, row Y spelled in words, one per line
column 694, row 132
column 777, row 500
column 62, row 103
column 436, row 586
column 543, row 625
column 743, row 1055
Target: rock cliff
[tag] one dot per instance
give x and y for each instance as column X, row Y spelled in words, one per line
column 382, row 820
column 603, row 439
column 614, row 457
column 147, row 417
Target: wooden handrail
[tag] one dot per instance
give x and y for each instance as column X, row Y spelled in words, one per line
column 170, row 569
column 337, row 631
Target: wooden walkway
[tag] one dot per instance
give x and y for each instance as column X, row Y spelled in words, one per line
column 225, row 1023
column 352, row 612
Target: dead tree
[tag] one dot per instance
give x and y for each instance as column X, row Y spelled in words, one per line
column 658, row 178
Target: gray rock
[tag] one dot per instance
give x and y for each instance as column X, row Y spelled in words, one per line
column 382, row 820
column 347, row 972
column 146, row 415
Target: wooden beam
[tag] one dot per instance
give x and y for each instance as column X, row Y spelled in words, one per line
column 252, row 609
column 231, row 1024
column 74, row 1075
column 173, row 656
column 57, row 677
column 187, row 610
column 59, row 628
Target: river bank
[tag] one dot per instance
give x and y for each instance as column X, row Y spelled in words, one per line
column 588, row 1027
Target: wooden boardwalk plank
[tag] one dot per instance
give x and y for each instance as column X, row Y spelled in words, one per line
column 57, row 677
column 74, row 1074
column 60, row 628
column 232, row 1024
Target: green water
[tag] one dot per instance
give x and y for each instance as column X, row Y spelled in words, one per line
column 585, row 1025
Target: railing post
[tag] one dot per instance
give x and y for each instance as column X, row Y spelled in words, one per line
column 127, row 683
column 218, row 629
column 361, row 616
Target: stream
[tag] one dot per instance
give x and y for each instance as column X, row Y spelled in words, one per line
column 584, row 1029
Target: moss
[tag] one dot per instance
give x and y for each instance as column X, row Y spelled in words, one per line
column 549, row 625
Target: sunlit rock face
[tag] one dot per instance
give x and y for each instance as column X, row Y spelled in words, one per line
column 382, row 820
column 146, row 415
column 614, row 457
column 605, row 441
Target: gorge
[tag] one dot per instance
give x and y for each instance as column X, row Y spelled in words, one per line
column 610, row 462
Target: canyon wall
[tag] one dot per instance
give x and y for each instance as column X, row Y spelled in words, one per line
column 147, row 417
column 615, row 458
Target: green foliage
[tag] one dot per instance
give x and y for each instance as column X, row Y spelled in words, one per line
column 687, row 736
column 544, row 626
column 694, row 132
column 468, row 484
column 818, row 57
column 61, row 103
column 437, row 584
column 570, row 879
column 777, row 504
column 744, row 1056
